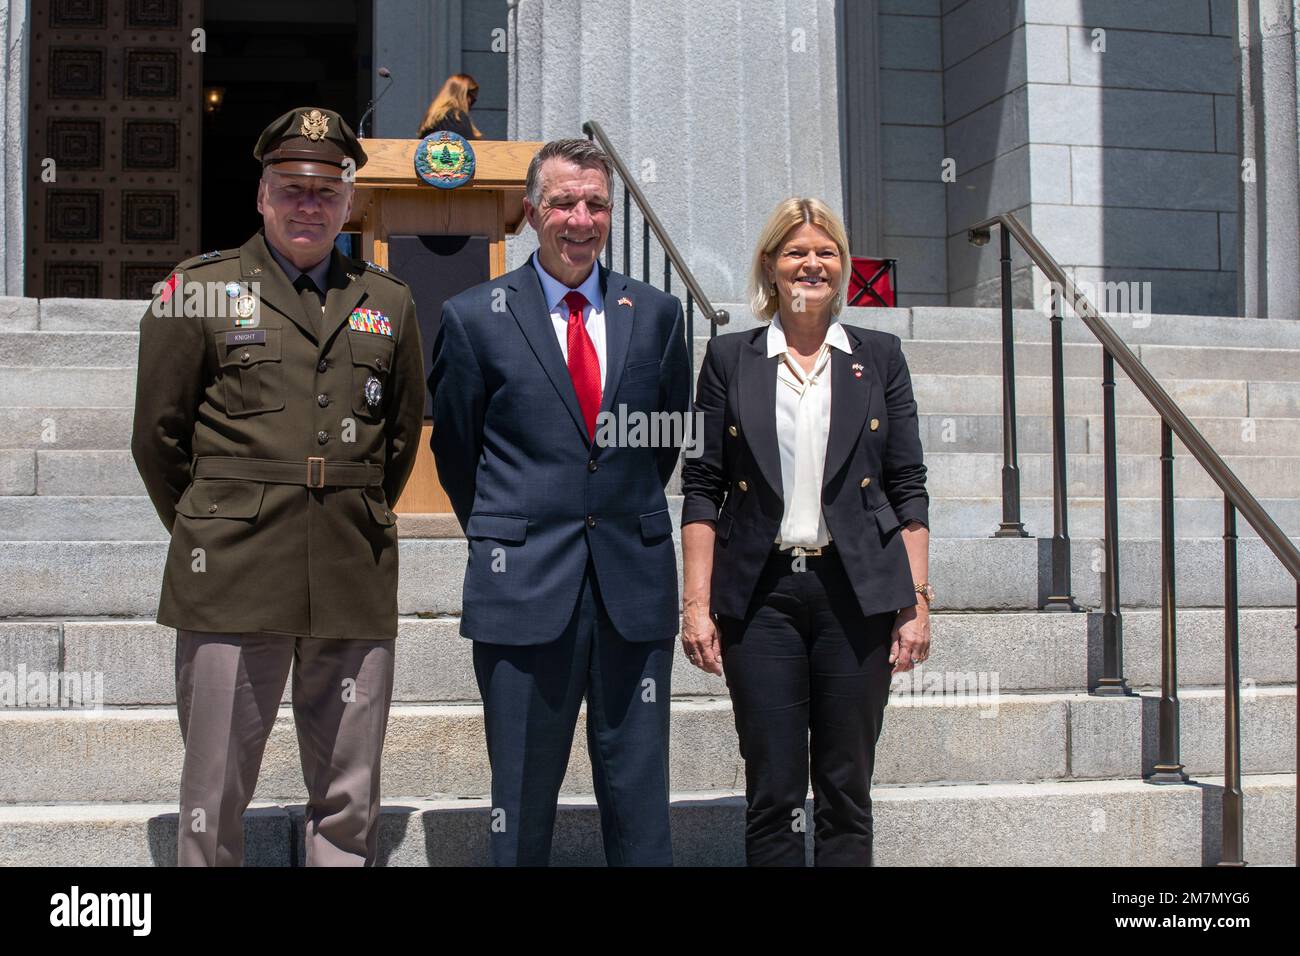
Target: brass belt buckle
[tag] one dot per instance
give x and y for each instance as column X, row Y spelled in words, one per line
column 318, row 481
column 799, row 552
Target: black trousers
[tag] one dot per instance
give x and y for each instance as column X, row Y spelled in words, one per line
column 807, row 663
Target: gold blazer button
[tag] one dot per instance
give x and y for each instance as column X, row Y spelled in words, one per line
column 742, row 485
column 865, row 482
column 731, row 430
column 875, row 423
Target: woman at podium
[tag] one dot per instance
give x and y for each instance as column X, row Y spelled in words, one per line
column 450, row 108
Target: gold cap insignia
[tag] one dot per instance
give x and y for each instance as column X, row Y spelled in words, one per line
column 314, row 125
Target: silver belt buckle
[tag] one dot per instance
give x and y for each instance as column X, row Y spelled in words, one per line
column 806, row 552
column 317, row 480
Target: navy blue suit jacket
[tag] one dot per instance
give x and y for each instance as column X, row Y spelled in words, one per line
column 874, row 479
column 533, row 494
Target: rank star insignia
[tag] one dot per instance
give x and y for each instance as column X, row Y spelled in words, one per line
column 314, row 125
column 625, row 301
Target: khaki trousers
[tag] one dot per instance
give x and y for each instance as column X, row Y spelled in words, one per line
column 228, row 690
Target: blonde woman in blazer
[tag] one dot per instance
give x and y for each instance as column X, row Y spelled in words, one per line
column 805, row 541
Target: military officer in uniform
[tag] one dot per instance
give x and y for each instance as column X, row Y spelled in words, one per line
column 278, row 410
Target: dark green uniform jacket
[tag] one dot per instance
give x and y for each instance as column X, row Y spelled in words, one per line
column 273, row 443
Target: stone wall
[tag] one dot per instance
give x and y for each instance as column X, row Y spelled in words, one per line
column 1112, row 129
column 914, row 220
column 720, row 111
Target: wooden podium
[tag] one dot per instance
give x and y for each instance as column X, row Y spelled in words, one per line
column 391, row 200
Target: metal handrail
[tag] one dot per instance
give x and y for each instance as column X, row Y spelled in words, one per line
column 1168, row 766
column 593, row 130
column 1146, row 383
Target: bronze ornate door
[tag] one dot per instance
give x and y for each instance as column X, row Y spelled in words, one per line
column 115, row 120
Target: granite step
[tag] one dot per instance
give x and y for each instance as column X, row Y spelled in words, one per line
column 964, row 323
column 76, row 398
column 123, row 578
column 921, row 322
column 87, row 472
column 131, row 662
column 1084, row 359
column 135, row 755
column 1072, row 823
column 132, row 518
column 974, row 474
column 51, row 428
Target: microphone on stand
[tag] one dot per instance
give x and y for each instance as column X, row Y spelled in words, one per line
column 387, row 74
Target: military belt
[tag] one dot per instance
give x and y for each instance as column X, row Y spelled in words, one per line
column 313, row 472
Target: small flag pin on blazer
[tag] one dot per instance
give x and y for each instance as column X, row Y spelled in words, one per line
column 625, row 301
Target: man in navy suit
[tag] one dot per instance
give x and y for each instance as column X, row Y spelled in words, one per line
column 571, row 585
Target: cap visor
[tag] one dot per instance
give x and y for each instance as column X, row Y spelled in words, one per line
column 301, row 168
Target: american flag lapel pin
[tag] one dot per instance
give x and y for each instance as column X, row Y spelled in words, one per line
column 857, row 370
column 625, row 301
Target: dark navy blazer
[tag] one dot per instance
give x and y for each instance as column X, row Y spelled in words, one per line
column 874, row 479
column 533, row 494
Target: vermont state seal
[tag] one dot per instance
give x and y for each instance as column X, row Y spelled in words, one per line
column 444, row 159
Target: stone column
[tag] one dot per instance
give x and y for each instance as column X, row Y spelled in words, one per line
column 1269, row 237
column 420, row 41
column 13, row 144
column 720, row 109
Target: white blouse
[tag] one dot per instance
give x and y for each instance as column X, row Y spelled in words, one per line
column 803, row 425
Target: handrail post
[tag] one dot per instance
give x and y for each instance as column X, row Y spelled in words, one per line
column 1111, row 683
column 1233, row 835
column 1169, row 767
column 1011, row 526
column 690, row 339
column 1061, row 598
column 627, row 231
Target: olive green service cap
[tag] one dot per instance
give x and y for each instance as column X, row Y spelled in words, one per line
column 309, row 141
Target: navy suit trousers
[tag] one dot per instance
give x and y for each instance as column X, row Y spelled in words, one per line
column 531, row 696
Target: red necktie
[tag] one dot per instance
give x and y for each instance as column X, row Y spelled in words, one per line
column 584, row 367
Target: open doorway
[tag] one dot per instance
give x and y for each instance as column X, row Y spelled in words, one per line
column 262, row 60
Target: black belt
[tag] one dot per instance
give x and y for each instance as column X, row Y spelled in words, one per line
column 313, row 472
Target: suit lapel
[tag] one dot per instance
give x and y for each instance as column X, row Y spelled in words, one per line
column 274, row 289
column 850, row 402
column 528, row 305
column 757, row 398
column 619, row 320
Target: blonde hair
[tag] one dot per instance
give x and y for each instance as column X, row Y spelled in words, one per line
column 452, row 98
column 790, row 214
